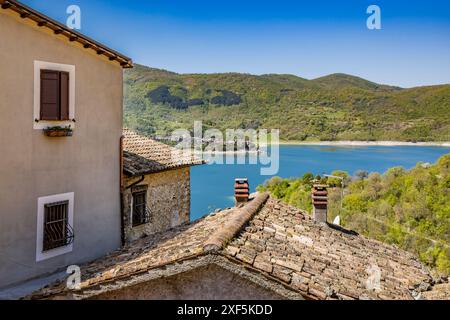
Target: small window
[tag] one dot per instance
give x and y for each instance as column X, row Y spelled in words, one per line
column 57, row 231
column 54, row 104
column 140, row 211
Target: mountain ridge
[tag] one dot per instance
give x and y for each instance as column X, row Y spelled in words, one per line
column 336, row 74
column 334, row 107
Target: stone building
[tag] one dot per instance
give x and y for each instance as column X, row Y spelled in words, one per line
column 155, row 188
column 264, row 249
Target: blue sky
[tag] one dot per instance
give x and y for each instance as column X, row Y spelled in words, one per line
column 306, row 38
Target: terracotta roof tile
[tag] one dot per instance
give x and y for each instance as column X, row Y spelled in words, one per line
column 279, row 242
column 322, row 261
column 151, row 252
column 439, row 292
column 143, row 155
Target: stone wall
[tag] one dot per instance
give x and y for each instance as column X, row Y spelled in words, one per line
column 205, row 283
column 168, row 199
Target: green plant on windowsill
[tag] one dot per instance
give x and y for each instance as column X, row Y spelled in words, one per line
column 58, row 131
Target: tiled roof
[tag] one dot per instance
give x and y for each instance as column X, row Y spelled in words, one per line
column 151, row 252
column 439, row 292
column 324, row 262
column 277, row 241
column 143, row 155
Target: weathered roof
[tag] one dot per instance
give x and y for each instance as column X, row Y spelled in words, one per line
column 277, row 241
column 439, row 292
column 321, row 261
column 58, row 28
column 143, row 155
column 184, row 242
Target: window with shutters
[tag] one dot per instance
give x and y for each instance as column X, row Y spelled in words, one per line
column 54, row 95
column 141, row 214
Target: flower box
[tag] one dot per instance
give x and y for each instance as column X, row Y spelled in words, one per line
column 57, row 132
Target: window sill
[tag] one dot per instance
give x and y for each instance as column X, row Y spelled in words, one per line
column 140, row 225
column 45, row 124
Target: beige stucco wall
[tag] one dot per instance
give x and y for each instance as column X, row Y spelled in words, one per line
column 205, row 283
column 32, row 165
column 168, row 198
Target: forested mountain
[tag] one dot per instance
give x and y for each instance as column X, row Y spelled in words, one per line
column 335, row 107
column 408, row 208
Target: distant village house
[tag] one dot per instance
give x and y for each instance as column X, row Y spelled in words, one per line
column 156, row 186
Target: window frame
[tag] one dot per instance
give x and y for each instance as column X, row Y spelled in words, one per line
column 59, row 211
column 42, row 255
column 146, row 219
column 39, row 124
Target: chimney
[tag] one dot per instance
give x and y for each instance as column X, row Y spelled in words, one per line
column 241, row 190
column 320, row 202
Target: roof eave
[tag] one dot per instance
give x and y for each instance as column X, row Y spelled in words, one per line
column 130, row 174
column 58, row 28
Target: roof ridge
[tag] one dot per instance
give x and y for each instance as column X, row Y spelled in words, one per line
column 129, row 133
column 144, row 155
column 235, row 223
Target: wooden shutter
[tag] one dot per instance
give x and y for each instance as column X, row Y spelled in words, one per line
column 64, row 95
column 50, row 93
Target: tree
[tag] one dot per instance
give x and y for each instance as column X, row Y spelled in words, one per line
column 361, row 174
column 307, row 178
column 336, row 182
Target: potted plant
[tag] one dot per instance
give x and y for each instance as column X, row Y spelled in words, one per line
column 58, row 131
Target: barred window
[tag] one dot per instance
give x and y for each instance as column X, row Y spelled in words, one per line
column 57, row 231
column 140, row 210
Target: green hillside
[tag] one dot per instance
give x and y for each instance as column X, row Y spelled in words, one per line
column 340, row 80
column 335, row 107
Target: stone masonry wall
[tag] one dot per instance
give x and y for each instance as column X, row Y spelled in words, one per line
column 204, row 283
column 168, row 198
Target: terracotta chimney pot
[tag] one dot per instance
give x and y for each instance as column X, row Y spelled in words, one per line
column 241, row 190
column 320, row 202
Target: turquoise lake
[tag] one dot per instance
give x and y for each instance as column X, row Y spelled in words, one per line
column 212, row 185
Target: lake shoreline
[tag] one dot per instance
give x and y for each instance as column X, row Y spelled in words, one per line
column 343, row 143
column 365, row 143
column 212, row 186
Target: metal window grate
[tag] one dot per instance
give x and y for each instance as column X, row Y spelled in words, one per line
column 141, row 213
column 57, row 231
